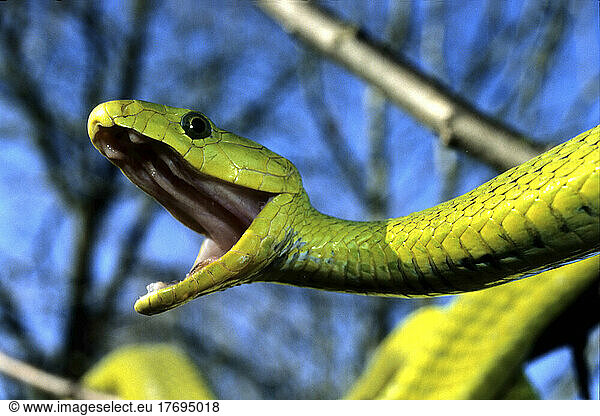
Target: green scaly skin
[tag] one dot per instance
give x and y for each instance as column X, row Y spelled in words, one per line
column 148, row 372
column 472, row 349
column 531, row 218
column 475, row 347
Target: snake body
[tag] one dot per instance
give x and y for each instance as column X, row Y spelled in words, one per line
column 473, row 348
column 148, row 372
column 260, row 225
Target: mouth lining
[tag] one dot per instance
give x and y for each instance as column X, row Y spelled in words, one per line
column 219, row 210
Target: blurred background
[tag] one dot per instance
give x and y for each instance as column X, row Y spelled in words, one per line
column 79, row 242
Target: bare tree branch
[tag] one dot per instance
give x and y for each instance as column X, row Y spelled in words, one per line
column 376, row 193
column 456, row 122
column 12, row 321
column 27, row 92
column 333, row 138
column 127, row 257
column 255, row 111
column 588, row 94
column 533, row 72
column 47, row 382
column 81, row 328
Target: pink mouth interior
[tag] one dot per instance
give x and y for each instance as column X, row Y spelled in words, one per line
column 219, row 210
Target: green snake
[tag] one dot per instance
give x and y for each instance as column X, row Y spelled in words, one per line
column 260, row 226
column 148, row 371
column 473, row 348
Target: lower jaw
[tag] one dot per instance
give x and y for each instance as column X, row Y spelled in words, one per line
column 209, row 252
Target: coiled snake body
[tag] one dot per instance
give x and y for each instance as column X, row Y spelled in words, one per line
column 473, row 348
column 259, row 225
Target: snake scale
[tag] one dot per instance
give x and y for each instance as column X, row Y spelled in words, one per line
column 148, row 372
column 260, row 226
column 473, row 348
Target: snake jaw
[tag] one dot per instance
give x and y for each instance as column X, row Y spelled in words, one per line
column 208, row 253
column 220, row 211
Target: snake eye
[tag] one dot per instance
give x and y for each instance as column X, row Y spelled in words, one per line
column 195, row 125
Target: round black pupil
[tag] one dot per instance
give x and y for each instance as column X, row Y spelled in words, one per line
column 197, row 125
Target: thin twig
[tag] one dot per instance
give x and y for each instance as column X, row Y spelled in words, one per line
column 12, row 321
column 128, row 257
column 312, row 83
column 47, row 382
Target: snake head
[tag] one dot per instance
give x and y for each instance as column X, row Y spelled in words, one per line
column 225, row 187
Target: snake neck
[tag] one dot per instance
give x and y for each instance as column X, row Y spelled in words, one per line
column 534, row 217
column 372, row 257
column 325, row 252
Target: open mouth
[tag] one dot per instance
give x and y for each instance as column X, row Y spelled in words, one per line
column 219, row 210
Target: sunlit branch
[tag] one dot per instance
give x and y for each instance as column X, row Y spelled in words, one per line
column 456, row 122
column 47, row 382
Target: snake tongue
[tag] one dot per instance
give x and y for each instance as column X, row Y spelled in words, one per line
column 219, row 210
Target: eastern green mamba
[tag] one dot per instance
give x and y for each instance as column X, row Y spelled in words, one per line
column 260, row 226
column 475, row 347
column 148, row 372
